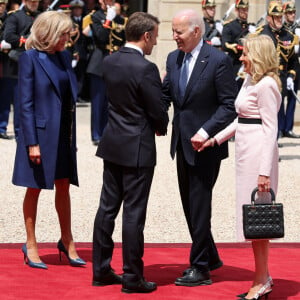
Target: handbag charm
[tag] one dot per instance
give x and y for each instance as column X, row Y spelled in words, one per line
column 263, row 221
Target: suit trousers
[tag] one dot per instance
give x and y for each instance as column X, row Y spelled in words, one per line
column 130, row 186
column 287, row 112
column 195, row 185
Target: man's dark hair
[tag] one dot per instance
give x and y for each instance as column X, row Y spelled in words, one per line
column 139, row 23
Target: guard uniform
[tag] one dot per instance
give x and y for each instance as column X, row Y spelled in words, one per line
column 233, row 32
column 81, row 49
column 106, row 40
column 284, row 42
column 210, row 26
column 17, row 29
column 291, row 100
column 6, row 84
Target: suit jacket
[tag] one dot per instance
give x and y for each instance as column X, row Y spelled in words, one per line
column 135, row 110
column 208, row 101
column 40, row 115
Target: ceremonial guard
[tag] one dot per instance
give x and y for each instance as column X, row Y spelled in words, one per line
column 16, row 31
column 285, row 42
column 107, row 31
column 81, row 49
column 213, row 29
column 233, row 32
column 290, row 23
column 74, row 35
column 6, row 83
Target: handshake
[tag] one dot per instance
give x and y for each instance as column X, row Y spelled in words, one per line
column 199, row 143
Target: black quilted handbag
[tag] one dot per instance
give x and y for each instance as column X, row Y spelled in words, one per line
column 263, row 221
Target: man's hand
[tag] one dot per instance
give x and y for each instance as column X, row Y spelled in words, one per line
column 4, row 45
column 111, row 13
column 232, row 47
column 197, row 141
column 219, row 27
column 251, row 28
column 215, row 41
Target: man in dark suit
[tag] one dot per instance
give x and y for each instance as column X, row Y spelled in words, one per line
column 201, row 110
column 136, row 113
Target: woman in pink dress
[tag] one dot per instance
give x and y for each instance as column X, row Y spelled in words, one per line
column 256, row 148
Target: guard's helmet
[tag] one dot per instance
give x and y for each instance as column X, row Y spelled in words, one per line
column 289, row 6
column 275, row 9
column 65, row 8
column 241, row 4
column 208, row 3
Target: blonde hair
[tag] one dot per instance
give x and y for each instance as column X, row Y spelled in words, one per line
column 47, row 29
column 263, row 58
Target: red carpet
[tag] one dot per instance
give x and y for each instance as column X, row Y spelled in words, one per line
column 163, row 263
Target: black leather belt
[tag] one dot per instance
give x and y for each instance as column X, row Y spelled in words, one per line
column 249, row 121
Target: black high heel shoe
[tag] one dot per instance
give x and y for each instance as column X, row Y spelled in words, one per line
column 30, row 263
column 74, row 262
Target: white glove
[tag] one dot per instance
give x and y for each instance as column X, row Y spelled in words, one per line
column 296, row 49
column 290, row 83
column 111, row 13
column 297, row 32
column 74, row 63
column 219, row 27
column 251, row 28
column 215, row 41
column 5, row 45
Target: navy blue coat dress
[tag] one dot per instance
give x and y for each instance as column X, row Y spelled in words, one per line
column 40, row 103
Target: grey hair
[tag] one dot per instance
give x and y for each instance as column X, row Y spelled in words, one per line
column 194, row 19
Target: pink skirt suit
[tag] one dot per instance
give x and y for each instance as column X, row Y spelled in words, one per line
column 256, row 148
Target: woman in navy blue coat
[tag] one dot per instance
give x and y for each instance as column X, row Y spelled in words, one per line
column 46, row 146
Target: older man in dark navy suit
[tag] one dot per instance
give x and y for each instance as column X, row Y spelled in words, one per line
column 200, row 84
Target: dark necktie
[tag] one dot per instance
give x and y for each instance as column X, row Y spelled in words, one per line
column 184, row 73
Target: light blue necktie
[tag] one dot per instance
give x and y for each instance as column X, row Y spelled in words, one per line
column 184, row 74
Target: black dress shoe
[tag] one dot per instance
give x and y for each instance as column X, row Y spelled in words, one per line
column 140, row 286
column 291, row 134
column 212, row 266
column 108, row 279
column 194, row 277
column 4, row 136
